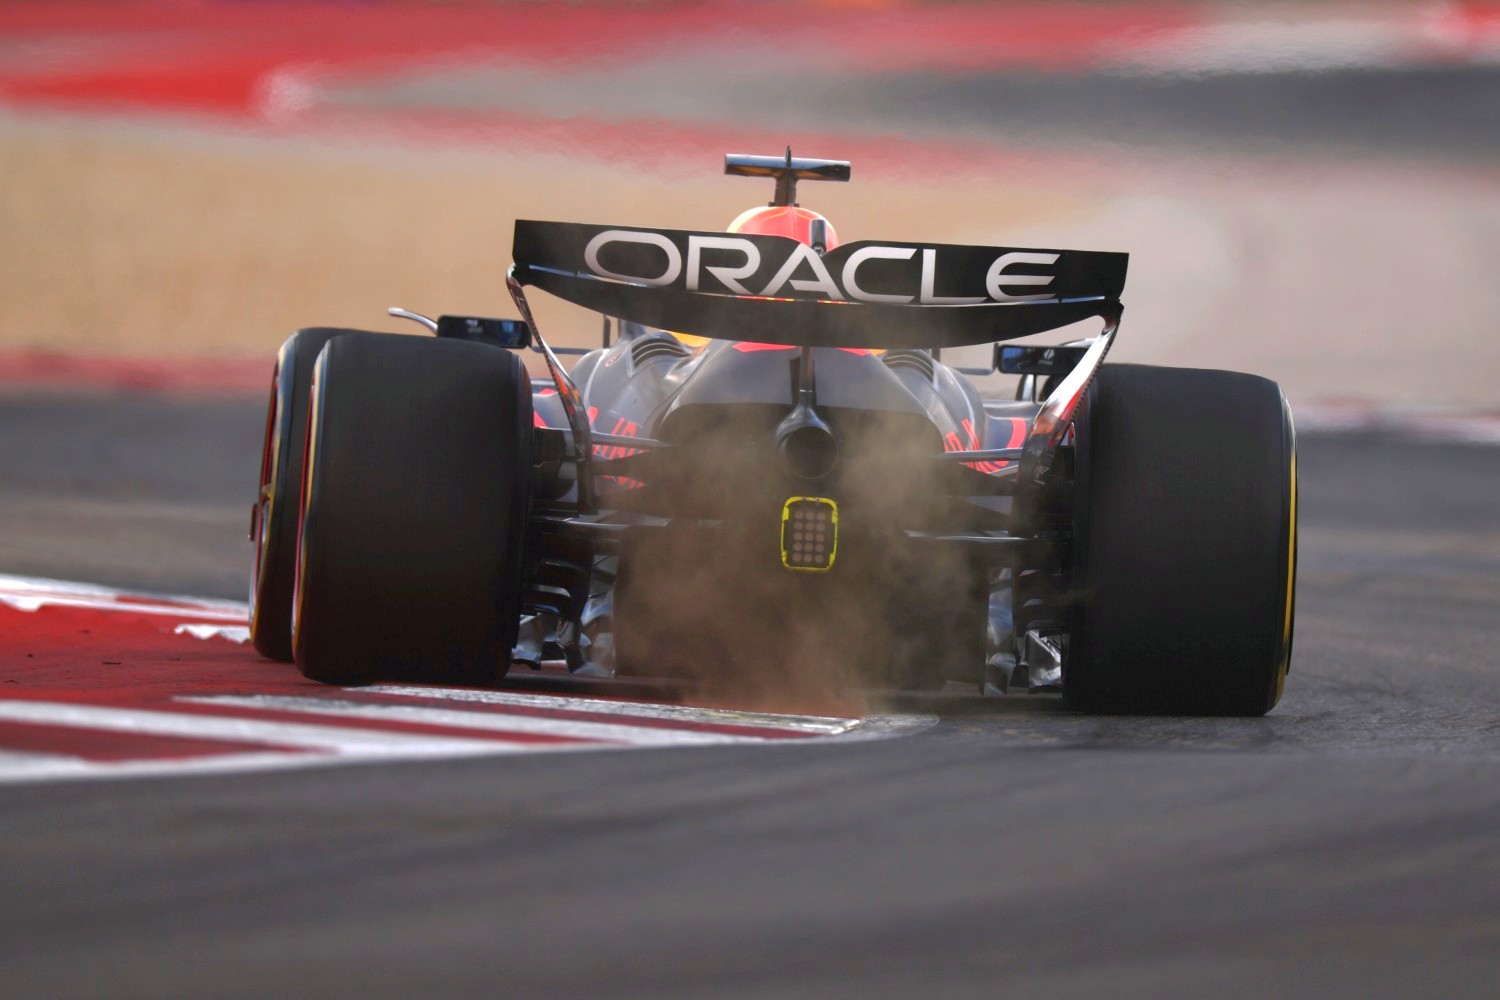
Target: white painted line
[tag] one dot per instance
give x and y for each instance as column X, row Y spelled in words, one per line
column 45, row 585
column 330, row 739
column 33, row 593
column 1285, row 46
column 1293, row 38
column 327, row 745
column 49, row 767
column 21, row 760
column 811, row 724
column 35, row 602
column 10, row 583
column 234, row 633
column 323, row 741
column 498, row 722
column 72, row 769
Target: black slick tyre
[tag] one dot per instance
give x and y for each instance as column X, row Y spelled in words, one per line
column 1185, row 536
column 273, row 525
column 414, row 512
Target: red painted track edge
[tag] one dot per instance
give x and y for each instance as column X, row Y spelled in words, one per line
column 50, row 371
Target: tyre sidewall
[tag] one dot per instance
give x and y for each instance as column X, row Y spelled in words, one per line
column 1184, row 543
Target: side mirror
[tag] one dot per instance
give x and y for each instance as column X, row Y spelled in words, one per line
column 1014, row 360
column 511, row 333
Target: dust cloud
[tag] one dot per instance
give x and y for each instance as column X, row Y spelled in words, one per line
column 707, row 599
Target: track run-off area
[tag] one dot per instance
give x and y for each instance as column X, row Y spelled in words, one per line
column 103, row 684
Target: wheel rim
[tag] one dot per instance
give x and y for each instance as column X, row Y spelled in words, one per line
column 1285, row 666
column 265, row 499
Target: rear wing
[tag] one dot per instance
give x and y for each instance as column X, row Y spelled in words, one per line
column 776, row 290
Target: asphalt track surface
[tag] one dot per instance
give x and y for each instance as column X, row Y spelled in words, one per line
column 1342, row 846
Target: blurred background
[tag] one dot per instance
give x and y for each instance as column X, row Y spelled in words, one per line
column 1308, row 190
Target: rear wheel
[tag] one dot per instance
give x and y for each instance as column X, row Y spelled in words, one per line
column 414, row 511
column 1185, row 537
column 278, row 503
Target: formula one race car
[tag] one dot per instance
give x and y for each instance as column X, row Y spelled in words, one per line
column 768, row 462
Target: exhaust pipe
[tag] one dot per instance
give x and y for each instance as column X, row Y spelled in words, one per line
column 804, row 440
column 807, row 446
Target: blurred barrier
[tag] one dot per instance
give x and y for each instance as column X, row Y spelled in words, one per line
column 272, row 61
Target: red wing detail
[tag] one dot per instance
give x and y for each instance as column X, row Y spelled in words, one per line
column 1017, row 437
column 747, row 347
column 622, row 428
